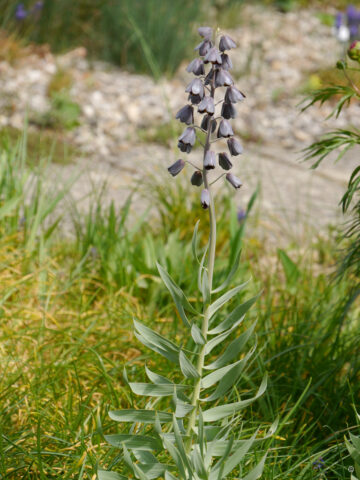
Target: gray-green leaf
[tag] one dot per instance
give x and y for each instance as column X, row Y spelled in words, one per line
column 187, row 368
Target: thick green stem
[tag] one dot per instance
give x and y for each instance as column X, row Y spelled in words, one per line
column 210, row 272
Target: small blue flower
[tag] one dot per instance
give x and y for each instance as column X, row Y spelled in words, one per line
column 20, row 12
column 241, row 215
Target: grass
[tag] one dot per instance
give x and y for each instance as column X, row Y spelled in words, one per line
column 66, row 309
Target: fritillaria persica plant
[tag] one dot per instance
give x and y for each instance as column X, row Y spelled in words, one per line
column 197, row 434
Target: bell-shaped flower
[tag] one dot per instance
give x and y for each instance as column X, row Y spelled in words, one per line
column 225, row 130
column 226, row 43
column 224, row 161
column 204, row 47
column 187, row 139
column 176, row 167
column 223, row 78
column 205, row 32
column 235, row 147
column 194, row 99
column 234, row 181
column 213, row 56
column 195, row 87
column 233, row 95
column 205, row 123
column 207, row 105
column 226, row 62
column 186, row 114
column 205, row 199
column 209, row 160
column 228, row 110
column 196, row 67
column 197, row 178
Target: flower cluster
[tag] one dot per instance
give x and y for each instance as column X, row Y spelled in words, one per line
column 201, row 96
column 21, row 13
column 347, row 25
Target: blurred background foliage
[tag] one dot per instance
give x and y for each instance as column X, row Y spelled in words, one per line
column 147, row 36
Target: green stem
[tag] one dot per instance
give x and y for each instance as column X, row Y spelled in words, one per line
column 210, row 268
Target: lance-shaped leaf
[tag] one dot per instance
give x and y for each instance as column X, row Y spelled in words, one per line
column 257, row 471
column 232, row 350
column 220, row 338
column 181, row 302
column 202, row 269
column 214, row 307
column 230, row 275
column 180, row 446
column 237, row 313
column 105, row 475
column 138, row 442
column 212, row 378
column 137, row 471
column 175, row 455
column 182, row 409
column 154, row 470
column 160, row 390
column 143, row 416
column 223, row 411
column 197, row 335
column 198, row 462
column 169, row 476
column 156, row 342
column 187, row 368
column 228, row 381
column 156, row 378
column 194, row 241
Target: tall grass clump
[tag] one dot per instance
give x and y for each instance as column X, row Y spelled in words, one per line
column 198, row 433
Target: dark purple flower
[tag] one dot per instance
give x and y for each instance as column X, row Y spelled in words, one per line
column 205, row 199
column 241, row 215
column 205, row 32
column 176, row 167
column 213, row 56
column 197, row 178
column 233, row 95
column 234, row 181
column 235, row 147
column 223, row 78
column 224, row 161
column 203, row 47
column 225, row 130
column 205, row 123
column 20, row 12
column 226, row 43
column 209, row 160
column 338, row 20
column 187, row 140
column 186, row 115
column 195, row 87
column 207, row 105
column 228, row 110
column 196, row 67
column 194, row 99
column 226, row 62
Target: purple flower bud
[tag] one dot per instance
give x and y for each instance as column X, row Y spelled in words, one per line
column 205, row 123
column 20, row 12
column 235, row 147
column 194, row 99
column 223, row 78
column 234, row 181
column 187, row 139
column 241, row 215
column 209, row 160
column 213, row 56
column 205, row 32
column 228, row 110
column 195, row 87
column 196, row 67
column 233, row 95
column 205, row 199
column 207, row 105
column 176, row 167
column 197, row 178
column 224, row 161
column 226, row 62
column 203, row 47
column 225, row 130
column 186, row 114
column 226, row 43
